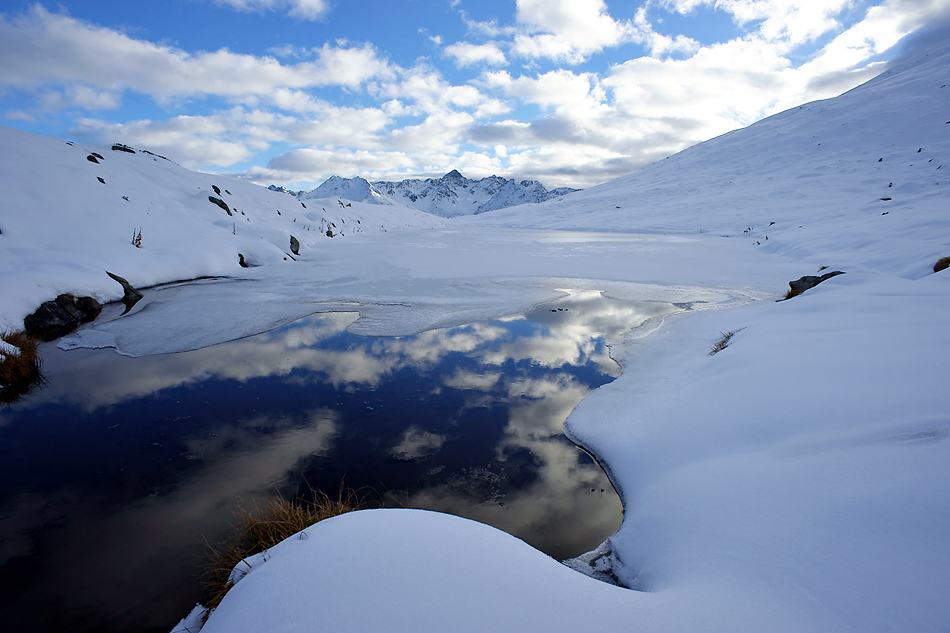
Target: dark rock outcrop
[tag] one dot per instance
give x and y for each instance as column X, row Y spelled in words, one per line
column 294, row 245
column 802, row 284
column 61, row 316
column 221, row 203
column 119, row 147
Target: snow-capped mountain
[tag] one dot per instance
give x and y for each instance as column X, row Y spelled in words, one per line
column 352, row 189
column 451, row 195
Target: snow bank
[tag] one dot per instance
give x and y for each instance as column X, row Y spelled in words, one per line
column 465, row 576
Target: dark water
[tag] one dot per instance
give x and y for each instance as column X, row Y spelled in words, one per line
column 111, row 475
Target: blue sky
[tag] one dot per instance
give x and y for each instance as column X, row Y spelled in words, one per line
column 570, row 92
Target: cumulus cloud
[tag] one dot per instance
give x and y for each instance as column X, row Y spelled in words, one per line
column 303, row 9
column 41, row 48
column 466, row 54
column 566, row 30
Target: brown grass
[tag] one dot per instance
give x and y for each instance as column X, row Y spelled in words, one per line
column 722, row 343
column 942, row 264
column 261, row 525
column 21, row 373
column 792, row 293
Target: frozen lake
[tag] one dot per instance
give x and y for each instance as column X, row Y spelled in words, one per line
column 111, row 475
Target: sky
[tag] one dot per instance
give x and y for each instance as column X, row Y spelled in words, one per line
column 568, row 92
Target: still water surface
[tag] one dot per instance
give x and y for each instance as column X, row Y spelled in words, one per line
column 114, row 472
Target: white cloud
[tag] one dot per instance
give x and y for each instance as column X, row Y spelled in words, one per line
column 567, row 30
column 201, row 140
column 466, row 54
column 45, row 48
column 304, row 9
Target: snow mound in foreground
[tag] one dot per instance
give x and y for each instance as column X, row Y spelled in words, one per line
column 350, row 574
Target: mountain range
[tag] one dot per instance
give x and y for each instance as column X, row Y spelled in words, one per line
column 451, row 195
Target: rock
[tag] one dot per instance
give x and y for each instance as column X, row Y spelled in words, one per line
column 802, row 284
column 241, row 261
column 216, row 189
column 294, row 245
column 221, row 203
column 61, row 316
column 90, row 308
column 92, row 159
column 119, row 147
column 131, row 296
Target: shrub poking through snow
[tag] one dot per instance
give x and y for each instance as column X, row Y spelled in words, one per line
column 723, row 342
column 19, row 365
column 260, row 526
column 137, row 238
column 942, row 264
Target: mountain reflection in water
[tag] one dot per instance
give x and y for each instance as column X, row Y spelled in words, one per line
column 112, row 474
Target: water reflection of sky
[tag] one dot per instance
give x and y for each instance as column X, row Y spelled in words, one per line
column 111, row 474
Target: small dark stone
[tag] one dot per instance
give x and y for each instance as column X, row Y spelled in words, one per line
column 221, row 203
column 294, row 245
column 99, row 178
column 92, row 159
column 216, row 190
column 241, row 261
column 98, row 155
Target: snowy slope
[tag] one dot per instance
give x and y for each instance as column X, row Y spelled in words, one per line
column 61, row 227
column 797, row 480
column 867, row 173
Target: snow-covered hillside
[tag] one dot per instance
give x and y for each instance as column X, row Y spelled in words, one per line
column 69, row 213
column 866, row 173
column 449, row 196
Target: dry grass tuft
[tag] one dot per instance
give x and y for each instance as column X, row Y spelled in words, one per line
column 20, row 373
column 261, row 525
column 792, row 293
column 723, row 342
column 942, row 264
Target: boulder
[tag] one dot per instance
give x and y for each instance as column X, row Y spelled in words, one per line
column 294, row 245
column 61, row 316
